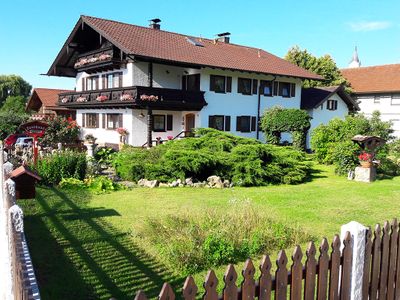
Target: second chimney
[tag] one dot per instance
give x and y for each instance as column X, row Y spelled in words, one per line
column 224, row 37
column 155, row 24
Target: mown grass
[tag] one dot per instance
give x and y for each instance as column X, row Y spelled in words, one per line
column 88, row 247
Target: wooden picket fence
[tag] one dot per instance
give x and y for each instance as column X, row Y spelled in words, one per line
column 324, row 277
column 381, row 278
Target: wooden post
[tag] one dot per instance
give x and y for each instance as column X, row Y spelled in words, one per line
column 149, row 127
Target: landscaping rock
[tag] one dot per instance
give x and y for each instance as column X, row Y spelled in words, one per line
column 179, row 181
column 162, row 184
column 181, row 185
column 189, row 181
column 215, row 181
column 199, row 184
column 148, row 183
column 174, row 183
column 226, row 183
column 128, row 184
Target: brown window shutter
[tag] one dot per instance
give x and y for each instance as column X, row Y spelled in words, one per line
column 83, row 84
column 228, row 84
column 292, row 90
column 96, row 79
column 120, row 79
column 83, row 120
column 103, row 120
column 276, row 87
column 97, row 121
column 227, row 123
column 121, row 120
column 169, row 122
column 238, row 123
column 255, row 86
column 253, row 123
column 103, row 82
column 197, row 82
column 184, row 82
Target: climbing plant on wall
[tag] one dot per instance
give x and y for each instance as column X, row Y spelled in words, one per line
column 276, row 120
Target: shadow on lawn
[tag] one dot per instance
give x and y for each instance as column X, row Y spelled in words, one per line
column 79, row 255
column 314, row 174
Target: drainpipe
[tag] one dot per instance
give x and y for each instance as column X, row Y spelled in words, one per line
column 149, row 127
column 150, row 75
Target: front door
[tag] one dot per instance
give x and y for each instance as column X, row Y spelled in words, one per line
column 189, row 123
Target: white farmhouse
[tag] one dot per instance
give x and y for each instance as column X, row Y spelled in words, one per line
column 160, row 84
column 377, row 88
column 324, row 104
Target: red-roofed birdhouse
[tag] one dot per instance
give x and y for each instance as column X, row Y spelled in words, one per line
column 25, row 181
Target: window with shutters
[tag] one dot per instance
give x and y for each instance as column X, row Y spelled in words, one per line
column 331, row 104
column 244, row 86
column 112, row 80
column 284, row 89
column 91, row 120
column 191, row 82
column 159, row 123
column 220, row 84
column 113, row 121
column 266, row 87
column 92, row 83
column 246, row 123
column 218, row 122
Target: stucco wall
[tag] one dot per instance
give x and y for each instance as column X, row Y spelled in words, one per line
column 321, row 115
column 389, row 107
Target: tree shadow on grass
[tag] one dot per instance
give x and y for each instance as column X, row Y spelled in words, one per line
column 315, row 174
column 88, row 258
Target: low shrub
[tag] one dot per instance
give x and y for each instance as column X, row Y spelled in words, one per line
column 97, row 185
column 194, row 243
column 67, row 164
column 344, row 156
column 244, row 161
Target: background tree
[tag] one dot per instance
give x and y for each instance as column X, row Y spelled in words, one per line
column 324, row 66
column 14, row 105
column 13, row 85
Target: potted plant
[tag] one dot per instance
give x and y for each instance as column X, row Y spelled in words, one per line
column 365, row 159
column 90, row 139
column 122, row 131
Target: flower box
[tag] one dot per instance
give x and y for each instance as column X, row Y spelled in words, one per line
column 81, row 99
column 126, row 97
column 150, row 98
column 102, row 98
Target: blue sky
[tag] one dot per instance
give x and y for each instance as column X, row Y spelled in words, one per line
column 32, row 32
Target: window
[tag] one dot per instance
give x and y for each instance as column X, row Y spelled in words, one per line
column 331, row 105
column 220, row 84
column 266, row 87
column 90, row 120
column 377, row 99
column 244, row 86
column 222, row 123
column 112, row 80
column 92, row 83
column 284, row 89
column 159, row 123
column 395, row 100
column 191, row 82
column 246, row 123
column 113, row 121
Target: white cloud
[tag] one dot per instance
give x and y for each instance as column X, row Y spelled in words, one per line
column 369, row 26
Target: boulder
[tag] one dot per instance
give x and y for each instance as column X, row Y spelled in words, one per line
column 181, row 185
column 174, row 183
column 148, row 183
column 162, row 184
column 199, row 184
column 226, row 183
column 189, row 181
column 179, row 181
column 214, row 180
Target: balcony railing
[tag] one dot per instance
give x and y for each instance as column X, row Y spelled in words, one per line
column 98, row 60
column 135, row 96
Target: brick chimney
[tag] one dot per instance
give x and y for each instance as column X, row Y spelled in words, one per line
column 155, row 24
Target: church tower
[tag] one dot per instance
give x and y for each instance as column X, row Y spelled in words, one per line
column 355, row 62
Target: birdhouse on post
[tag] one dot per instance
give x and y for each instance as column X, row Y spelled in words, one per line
column 25, row 181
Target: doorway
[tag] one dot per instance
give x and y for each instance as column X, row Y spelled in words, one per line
column 189, row 124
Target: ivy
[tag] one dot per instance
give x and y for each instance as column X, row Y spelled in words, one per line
column 278, row 119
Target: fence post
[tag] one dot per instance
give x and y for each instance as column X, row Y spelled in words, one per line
column 358, row 234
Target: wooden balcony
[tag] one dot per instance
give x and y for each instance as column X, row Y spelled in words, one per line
column 99, row 60
column 135, row 97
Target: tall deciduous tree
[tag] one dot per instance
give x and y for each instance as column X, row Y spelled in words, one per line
column 324, row 66
column 13, row 85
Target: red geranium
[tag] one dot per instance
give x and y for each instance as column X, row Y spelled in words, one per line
column 365, row 156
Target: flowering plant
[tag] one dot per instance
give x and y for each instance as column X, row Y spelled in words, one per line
column 365, row 156
column 126, row 97
column 104, row 57
column 145, row 97
column 64, row 100
column 102, row 98
column 170, row 137
column 122, row 131
column 81, row 99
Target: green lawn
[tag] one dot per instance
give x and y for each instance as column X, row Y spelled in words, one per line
column 85, row 246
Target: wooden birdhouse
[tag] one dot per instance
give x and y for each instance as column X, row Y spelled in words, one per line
column 25, row 181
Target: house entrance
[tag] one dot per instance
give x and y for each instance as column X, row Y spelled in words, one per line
column 189, row 123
